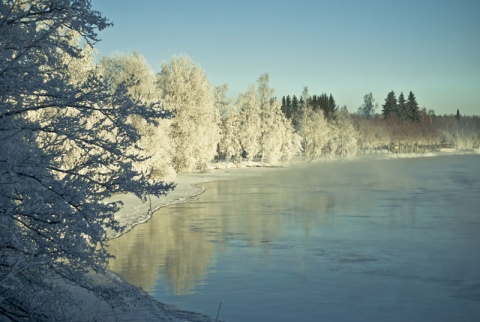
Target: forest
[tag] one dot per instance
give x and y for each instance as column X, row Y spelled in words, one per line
column 75, row 130
column 206, row 125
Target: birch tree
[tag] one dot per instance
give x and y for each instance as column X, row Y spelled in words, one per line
column 185, row 89
column 278, row 141
column 317, row 135
column 229, row 145
column 344, row 138
column 249, row 122
column 52, row 214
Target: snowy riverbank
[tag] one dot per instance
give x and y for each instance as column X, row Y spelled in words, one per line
column 133, row 304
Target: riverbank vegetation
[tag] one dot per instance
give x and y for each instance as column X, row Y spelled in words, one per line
column 207, row 125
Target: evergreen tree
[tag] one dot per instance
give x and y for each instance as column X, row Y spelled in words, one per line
column 332, row 106
column 390, row 107
column 288, row 107
column 324, row 104
column 296, row 113
column 402, row 108
column 295, row 105
column 284, row 105
column 412, row 110
column 314, row 103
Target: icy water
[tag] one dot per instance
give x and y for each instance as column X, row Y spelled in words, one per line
column 378, row 240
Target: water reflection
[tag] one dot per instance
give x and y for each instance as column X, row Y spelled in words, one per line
column 163, row 247
column 180, row 242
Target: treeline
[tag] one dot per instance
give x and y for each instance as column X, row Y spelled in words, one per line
column 403, row 127
column 207, row 125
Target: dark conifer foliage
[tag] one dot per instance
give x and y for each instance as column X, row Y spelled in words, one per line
column 323, row 102
column 402, row 108
column 412, row 110
column 390, row 107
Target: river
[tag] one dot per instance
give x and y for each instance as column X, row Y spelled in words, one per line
column 366, row 240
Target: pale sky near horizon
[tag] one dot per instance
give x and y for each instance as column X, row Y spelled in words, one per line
column 345, row 47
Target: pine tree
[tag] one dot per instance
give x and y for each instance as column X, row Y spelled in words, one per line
column 390, row 107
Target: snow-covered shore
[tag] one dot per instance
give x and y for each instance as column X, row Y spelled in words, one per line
column 136, row 305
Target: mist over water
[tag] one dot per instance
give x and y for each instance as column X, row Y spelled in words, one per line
column 377, row 240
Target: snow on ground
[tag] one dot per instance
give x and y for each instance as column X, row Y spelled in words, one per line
column 133, row 304
column 121, row 301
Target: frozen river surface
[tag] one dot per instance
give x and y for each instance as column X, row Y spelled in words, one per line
column 378, row 240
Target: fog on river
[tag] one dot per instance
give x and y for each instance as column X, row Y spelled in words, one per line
column 370, row 240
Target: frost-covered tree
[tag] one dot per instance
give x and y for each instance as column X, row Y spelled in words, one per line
column 229, row 145
column 155, row 141
column 264, row 128
column 52, row 213
column 185, row 89
column 119, row 69
column 249, row 122
column 317, row 135
column 344, row 135
column 279, row 141
column 270, row 124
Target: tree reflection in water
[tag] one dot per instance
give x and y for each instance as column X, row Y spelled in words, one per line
column 180, row 242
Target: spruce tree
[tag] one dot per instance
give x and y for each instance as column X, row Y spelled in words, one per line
column 402, row 109
column 324, row 104
column 412, row 110
column 314, row 103
column 288, row 107
column 332, row 106
column 390, row 107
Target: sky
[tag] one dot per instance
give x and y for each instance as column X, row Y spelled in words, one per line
column 344, row 47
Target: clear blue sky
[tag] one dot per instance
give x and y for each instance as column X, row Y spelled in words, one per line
column 344, row 47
